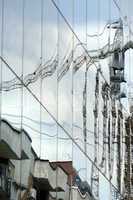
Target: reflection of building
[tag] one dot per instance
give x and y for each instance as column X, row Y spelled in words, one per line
column 128, row 178
column 60, row 180
column 6, row 175
column 117, row 62
column 46, row 181
column 21, row 171
column 131, row 102
column 14, row 145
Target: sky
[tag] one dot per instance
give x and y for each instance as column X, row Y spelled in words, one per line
column 57, row 39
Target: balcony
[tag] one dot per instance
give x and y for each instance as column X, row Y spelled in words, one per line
column 14, row 144
column 45, row 172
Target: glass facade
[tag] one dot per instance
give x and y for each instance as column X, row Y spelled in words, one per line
column 50, row 88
